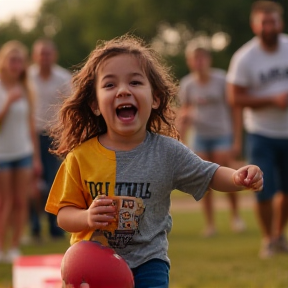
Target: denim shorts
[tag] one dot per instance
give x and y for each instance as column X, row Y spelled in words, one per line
column 25, row 162
column 153, row 273
column 208, row 145
column 271, row 155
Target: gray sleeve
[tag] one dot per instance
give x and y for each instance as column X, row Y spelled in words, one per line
column 192, row 175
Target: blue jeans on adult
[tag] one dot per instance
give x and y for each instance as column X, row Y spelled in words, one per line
column 271, row 155
column 51, row 165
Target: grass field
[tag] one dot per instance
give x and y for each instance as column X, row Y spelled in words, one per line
column 227, row 260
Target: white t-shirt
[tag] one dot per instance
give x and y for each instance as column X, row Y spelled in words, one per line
column 263, row 74
column 49, row 93
column 212, row 115
column 15, row 134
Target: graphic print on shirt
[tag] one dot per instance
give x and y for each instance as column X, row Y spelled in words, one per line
column 274, row 74
column 139, row 190
column 119, row 234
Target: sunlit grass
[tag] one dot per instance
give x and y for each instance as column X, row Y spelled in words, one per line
column 227, row 260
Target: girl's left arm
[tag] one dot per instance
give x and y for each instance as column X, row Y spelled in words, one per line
column 249, row 177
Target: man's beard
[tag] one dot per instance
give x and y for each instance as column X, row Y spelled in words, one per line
column 270, row 40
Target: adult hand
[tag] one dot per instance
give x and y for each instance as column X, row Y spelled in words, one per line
column 281, row 101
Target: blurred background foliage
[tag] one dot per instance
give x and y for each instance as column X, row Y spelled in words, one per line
column 76, row 25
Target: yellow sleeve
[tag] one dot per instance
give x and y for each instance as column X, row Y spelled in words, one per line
column 67, row 189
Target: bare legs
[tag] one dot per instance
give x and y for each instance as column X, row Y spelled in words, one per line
column 222, row 158
column 14, row 188
column 280, row 210
column 22, row 186
column 264, row 211
column 272, row 216
column 6, row 201
column 208, row 210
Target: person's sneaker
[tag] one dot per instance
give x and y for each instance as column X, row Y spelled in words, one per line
column 12, row 254
column 209, row 232
column 281, row 244
column 266, row 250
column 25, row 240
column 238, row 225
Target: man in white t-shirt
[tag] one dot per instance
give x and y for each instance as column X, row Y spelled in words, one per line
column 50, row 82
column 258, row 82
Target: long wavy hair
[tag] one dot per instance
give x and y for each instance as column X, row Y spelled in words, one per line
column 76, row 122
column 15, row 46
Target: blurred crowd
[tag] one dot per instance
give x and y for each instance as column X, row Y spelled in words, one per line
column 227, row 117
column 30, row 90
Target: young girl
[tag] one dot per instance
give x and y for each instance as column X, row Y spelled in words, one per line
column 117, row 135
column 18, row 145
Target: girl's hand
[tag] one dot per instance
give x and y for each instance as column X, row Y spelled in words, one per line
column 83, row 285
column 249, row 177
column 101, row 212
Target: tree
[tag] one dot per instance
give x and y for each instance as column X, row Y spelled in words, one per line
column 76, row 25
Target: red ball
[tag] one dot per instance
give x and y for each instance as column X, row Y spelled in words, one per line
column 95, row 264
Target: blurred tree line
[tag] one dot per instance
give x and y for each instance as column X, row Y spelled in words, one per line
column 76, row 25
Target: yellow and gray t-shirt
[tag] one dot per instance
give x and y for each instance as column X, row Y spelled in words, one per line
column 145, row 177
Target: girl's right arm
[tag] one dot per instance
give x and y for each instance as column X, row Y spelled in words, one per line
column 97, row 216
column 248, row 177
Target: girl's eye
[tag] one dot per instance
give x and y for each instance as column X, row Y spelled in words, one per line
column 108, row 85
column 135, row 83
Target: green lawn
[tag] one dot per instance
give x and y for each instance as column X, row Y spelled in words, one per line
column 227, row 260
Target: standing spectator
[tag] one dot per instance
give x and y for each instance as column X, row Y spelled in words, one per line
column 258, row 82
column 18, row 145
column 51, row 82
column 204, row 106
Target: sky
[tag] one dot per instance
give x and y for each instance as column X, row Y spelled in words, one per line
column 18, row 8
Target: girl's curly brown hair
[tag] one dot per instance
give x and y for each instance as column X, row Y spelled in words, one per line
column 76, row 120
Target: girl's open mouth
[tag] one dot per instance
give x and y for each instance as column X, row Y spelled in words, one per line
column 127, row 111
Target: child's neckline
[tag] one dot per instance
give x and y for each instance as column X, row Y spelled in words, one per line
column 123, row 150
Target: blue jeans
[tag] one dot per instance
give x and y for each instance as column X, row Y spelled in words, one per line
column 25, row 162
column 51, row 165
column 153, row 273
column 271, row 155
column 210, row 145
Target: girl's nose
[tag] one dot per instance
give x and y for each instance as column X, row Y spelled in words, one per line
column 123, row 92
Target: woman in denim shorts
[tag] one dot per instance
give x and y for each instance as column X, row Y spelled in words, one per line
column 204, row 106
column 17, row 146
